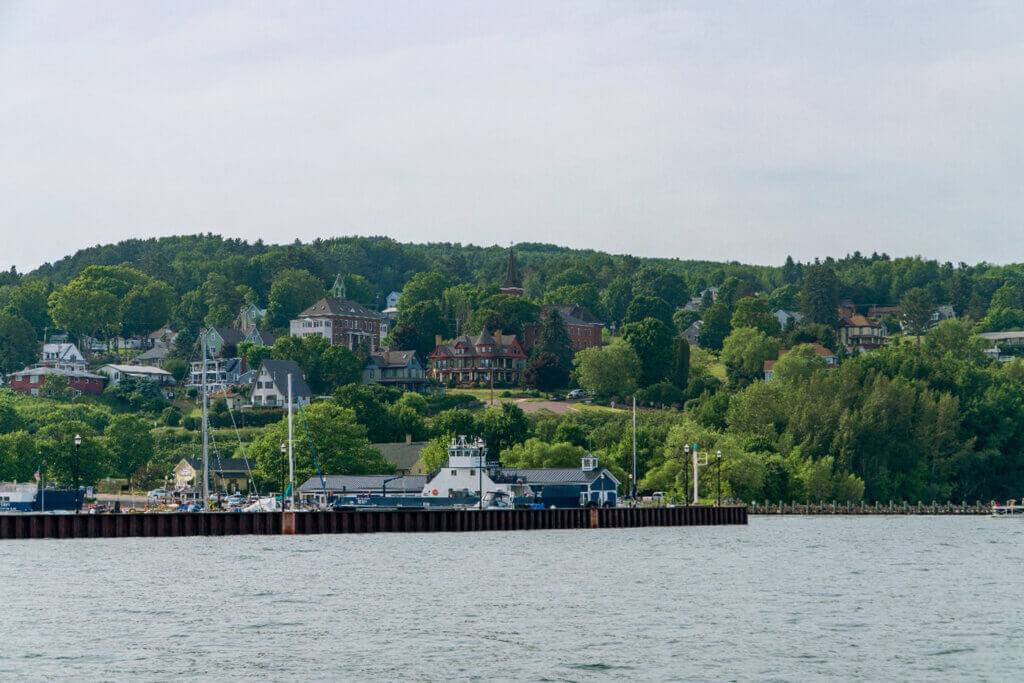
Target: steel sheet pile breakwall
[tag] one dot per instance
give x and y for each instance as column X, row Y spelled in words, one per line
column 355, row 521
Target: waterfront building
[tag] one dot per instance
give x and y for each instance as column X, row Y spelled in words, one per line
column 312, row 490
column 479, row 359
column 226, row 474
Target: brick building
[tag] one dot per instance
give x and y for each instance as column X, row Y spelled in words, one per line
column 584, row 329
column 341, row 322
column 30, row 380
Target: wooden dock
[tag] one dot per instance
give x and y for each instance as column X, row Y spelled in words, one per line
column 124, row 525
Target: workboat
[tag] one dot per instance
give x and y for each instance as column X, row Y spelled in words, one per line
column 1010, row 509
column 16, row 497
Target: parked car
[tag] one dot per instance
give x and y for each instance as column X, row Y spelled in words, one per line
column 235, row 499
column 157, row 494
column 577, row 394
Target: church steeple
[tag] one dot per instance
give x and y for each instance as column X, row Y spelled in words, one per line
column 338, row 290
column 513, row 286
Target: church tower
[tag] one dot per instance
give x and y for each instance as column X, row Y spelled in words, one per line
column 338, row 289
column 513, row 286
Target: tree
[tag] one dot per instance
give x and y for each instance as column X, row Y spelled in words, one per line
column 554, row 340
column 682, row 319
column 292, row 291
column 546, row 372
column 426, row 321
column 644, row 306
column 129, row 442
column 146, row 307
column 786, row 297
column 336, row 367
column 20, row 456
column 916, row 309
column 616, row 298
column 434, row 455
column 652, row 341
column 610, row 371
column 799, row 365
column 820, row 295
column 744, row 352
column 423, row 287
column 367, row 405
column 338, row 440
column 82, row 310
column 680, row 375
column 18, row 345
column 535, row 454
column 58, row 454
column 717, row 326
column 503, row 426
column 751, row 312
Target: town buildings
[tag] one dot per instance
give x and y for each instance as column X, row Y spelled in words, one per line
column 340, row 322
column 583, row 327
column 400, row 369
column 480, row 359
column 217, row 338
column 62, row 355
column 270, row 388
column 220, row 373
column 31, row 380
column 858, row 333
column 116, row 372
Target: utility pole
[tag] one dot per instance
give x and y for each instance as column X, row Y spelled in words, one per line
column 291, row 447
column 206, row 439
column 634, row 450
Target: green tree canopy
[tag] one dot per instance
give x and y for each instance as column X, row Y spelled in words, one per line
column 820, row 296
column 610, row 371
column 652, row 341
column 744, row 352
column 18, row 345
column 752, row 312
column 292, row 291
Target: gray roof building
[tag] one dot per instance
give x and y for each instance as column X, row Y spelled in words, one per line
column 365, row 483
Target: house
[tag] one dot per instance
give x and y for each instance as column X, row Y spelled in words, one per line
column 217, row 338
column 693, row 304
column 1007, row 338
column 260, row 338
column 404, row 455
column 116, row 372
column 226, row 474
column 62, row 355
column 831, row 360
column 340, row 322
column 858, row 333
column 155, row 357
column 164, row 337
column 943, row 312
column 220, row 372
column 875, row 311
column 233, row 399
column 483, row 359
column 399, row 369
column 30, row 380
column 513, row 285
column 249, row 317
column 392, row 300
column 786, row 318
column 271, row 386
column 583, row 327
column 344, row 484
column 692, row 333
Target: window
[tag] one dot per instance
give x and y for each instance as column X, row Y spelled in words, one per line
column 455, row 472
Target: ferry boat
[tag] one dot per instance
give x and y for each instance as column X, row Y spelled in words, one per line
column 16, row 497
column 1011, row 509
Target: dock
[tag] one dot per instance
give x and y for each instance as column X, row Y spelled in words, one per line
column 173, row 524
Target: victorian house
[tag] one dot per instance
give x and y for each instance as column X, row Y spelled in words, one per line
column 480, row 359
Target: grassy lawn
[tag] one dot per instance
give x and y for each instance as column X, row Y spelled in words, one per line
column 485, row 394
column 717, row 369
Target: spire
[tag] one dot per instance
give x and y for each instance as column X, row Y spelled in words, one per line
column 513, row 285
column 338, row 289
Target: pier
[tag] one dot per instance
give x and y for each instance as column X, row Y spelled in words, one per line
column 890, row 508
column 125, row 525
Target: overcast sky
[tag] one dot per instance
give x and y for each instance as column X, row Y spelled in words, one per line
column 709, row 130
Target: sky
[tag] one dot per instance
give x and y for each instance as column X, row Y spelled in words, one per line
column 699, row 130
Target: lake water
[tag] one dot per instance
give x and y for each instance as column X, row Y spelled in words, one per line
column 784, row 598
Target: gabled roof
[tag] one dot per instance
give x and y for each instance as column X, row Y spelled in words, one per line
column 136, row 369
column 222, row 464
column 559, row 475
column 63, row 351
column 279, row 371
column 230, row 335
column 402, row 455
column 391, row 359
column 261, row 337
column 502, row 345
column 155, row 353
column 63, row 372
column 857, row 320
column 339, row 307
column 162, row 332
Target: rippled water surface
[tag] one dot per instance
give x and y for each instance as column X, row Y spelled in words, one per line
column 783, row 598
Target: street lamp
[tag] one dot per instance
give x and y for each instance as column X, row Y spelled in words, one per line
column 718, row 459
column 284, row 452
column 78, row 444
column 686, row 472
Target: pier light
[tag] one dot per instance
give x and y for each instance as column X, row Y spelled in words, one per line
column 78, row 444
column 718, row 459
column 284, row 452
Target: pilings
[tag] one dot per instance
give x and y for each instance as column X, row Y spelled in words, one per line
column 862, row 508
column 407, row 520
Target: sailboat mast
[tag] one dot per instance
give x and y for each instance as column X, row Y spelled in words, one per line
column 633, row 492
column 291, row 456
column 206, row 439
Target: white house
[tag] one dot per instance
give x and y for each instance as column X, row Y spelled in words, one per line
column 65, row 356
column 784, row 317
column 117, row 372
column 270, row 390
column 392, row 299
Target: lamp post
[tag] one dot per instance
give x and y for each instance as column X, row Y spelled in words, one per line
column 78, row 444
column 718, row 459
column 284, row 452
column 686, row 472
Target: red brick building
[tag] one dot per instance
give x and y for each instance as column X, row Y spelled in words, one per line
column 479, row 359
column 341, row 322
column 584, row 329
column 30, row 380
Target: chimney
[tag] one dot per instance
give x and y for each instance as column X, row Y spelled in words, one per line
column 497, row 337
column 437, row 340
column 408, row 438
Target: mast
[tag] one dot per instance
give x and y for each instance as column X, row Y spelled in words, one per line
column 206, row 440
column 291, row 456
column 633, row 492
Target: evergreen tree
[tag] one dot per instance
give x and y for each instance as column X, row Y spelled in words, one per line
column 916, row 309
column 820, row 296
column 681, row 364
column 554, row 339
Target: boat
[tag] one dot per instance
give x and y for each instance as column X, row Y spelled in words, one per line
column 15, row 497
column 1010, row 509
